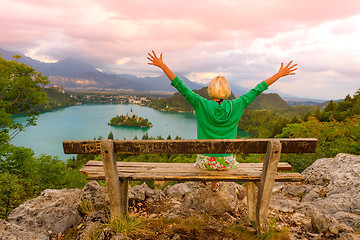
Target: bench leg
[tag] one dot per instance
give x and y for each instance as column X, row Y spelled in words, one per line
column 112, row 177
column 251, row 200
column 124, row 199
column 266, row 185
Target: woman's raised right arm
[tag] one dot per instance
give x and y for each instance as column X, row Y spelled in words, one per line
column 158, row 62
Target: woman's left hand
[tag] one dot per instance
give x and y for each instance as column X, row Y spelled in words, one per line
column 287, row 70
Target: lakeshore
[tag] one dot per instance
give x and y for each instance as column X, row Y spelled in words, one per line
column 89, row 121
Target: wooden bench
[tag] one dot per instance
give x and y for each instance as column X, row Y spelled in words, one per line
column 256, row 175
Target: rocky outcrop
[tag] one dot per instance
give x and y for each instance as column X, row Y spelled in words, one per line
column 327, row 205
column 53, row 212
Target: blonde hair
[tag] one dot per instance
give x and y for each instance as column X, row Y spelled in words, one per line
column 219, row 88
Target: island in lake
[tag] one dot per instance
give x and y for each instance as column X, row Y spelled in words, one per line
column 130, row 121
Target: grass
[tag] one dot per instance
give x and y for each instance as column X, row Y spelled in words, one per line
column 199, row 227
column 238, row 231
column 126, row 226
column 193, row 227
column 86, row 207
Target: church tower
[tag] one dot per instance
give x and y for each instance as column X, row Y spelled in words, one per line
column 131, row 113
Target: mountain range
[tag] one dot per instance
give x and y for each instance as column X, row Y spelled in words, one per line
column 75, row 74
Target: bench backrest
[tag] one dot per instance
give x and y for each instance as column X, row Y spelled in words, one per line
column 208, row 146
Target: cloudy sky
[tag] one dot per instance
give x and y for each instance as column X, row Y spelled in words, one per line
column 244, row 40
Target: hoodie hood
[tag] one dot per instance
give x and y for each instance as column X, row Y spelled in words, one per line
column 220, row 112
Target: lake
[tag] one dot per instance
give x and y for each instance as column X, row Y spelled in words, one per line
column 86, row 122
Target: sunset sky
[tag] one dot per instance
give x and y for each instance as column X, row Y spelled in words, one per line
column 244, row 40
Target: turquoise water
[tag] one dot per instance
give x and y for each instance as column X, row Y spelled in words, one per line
column 85, row 122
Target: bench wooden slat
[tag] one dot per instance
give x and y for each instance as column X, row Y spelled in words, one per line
column 282, row 166
column 97, row 166
column 245, row 177
column 289, row 145
column 184, row 172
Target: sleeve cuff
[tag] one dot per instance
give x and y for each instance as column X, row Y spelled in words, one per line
column 263, row 86
column 175, row 81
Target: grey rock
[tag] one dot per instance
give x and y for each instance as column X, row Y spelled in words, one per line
column 312, row 195
column 330, row 197
column 142, row 192
column 53, row 212
column 227, row 199
column 300, row 219
column 227, row 217
column 178, row 190
column 96, row 194
column 283, row 204
column 97, row 216
column 350, row 219
column 154, row 194
column 137, row 193
column 334, row 203
column 326, row 172
column 9, row 231
column 328, row 226
column 295, row 190
column 92, row 224
column 91, row 229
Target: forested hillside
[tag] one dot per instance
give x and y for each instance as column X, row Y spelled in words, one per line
column 270, row 101
column 56, row 99
column 337, row 128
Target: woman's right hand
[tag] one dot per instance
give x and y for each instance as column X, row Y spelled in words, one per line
column 158, row 62
column 155, row 60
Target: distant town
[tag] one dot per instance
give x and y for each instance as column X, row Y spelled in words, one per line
column 111, row 97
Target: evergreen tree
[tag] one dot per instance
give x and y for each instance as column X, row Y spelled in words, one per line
column 317, row 114
column 294, row 120
column 111, row 136
column 356, row 107
column 145, row 136
column 330, row 107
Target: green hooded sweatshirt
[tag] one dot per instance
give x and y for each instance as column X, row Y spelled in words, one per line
column 217, row 121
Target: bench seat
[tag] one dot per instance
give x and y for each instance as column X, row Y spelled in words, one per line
column 147, row 171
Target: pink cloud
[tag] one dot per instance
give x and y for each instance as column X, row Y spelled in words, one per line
column 196, row 36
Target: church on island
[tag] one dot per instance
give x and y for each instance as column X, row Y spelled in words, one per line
column 130, row 121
